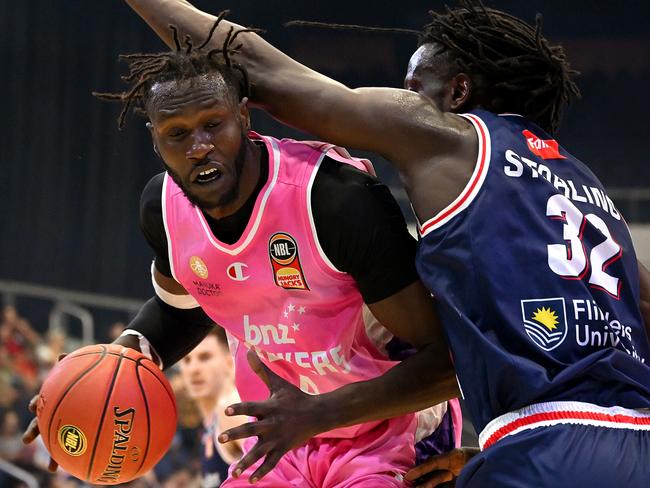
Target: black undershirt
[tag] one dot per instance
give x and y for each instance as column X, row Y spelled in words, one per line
column 359, row 225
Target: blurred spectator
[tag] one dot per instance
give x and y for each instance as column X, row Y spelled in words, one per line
column 20, row 342
column 115, row 330
column 11, row 444
column 208, row 376
column 56, row 344
column 15, row 332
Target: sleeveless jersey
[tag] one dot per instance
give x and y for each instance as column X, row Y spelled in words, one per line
column 536, row 278
column 214, row 469
column 275, row 290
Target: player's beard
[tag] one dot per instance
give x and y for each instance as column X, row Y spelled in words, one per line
column 229, row 196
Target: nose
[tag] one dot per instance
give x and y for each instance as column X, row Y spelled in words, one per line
column 200, row 148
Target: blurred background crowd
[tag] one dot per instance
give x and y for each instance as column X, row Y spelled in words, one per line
column 26, row 356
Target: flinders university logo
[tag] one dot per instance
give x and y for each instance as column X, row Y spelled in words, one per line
column 545, row 321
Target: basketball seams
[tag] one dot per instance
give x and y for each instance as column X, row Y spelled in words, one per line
column 146, row 408
column 108, row 353
column 101, row 420
column 155, row 373
column 102, row 354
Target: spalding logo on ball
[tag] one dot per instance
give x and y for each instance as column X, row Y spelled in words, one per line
column 107, row 414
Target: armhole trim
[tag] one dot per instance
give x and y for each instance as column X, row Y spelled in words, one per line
column 163, row 202
column 473, row 185
column 310, row 213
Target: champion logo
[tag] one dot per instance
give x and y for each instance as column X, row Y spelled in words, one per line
column 543, row 148
column 236, row 272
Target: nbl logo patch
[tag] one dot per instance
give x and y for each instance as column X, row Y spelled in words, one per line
column 72, row 440
column 285, row 261
column 545, row 321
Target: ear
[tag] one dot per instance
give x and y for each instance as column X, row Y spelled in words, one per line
column 153, row 137
column 244, row 113
column 461, row 91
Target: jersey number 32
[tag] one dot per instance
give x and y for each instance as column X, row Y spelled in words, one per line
column 569, row 260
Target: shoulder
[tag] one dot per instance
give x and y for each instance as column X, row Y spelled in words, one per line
column 341, row 189
column 151, row 220
column 152, row 193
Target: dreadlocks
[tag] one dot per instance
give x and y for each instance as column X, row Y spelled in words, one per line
column 518, row 69
column 514, row 68
column 185, row 62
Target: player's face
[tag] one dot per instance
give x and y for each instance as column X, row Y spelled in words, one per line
column 199, row 132
column 203, row 370
column 428, row 75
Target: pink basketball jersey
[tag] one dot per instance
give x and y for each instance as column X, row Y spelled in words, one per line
column 275, row 290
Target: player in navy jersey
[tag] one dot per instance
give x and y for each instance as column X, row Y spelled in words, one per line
column 543, row 301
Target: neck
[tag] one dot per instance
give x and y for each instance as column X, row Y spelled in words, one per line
column 250, row 175
column 207, row 405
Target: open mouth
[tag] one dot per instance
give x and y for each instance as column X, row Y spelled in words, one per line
column 208, row 175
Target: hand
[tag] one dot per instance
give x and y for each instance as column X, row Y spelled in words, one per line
column 32, row 431
column 286, row 420
column 442, row 468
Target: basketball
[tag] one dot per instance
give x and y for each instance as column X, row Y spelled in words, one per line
column 106, row 414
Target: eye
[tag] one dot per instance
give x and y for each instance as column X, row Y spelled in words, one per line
column 212, row 124
column 176, row 132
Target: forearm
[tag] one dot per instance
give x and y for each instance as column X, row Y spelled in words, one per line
column 258, row 56
column 424, row 379
column 375, row 119
column 172, row 332
column 644, row 292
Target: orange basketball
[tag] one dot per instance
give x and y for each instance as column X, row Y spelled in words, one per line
column 106, row 413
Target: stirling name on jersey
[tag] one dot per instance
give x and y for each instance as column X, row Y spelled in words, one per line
column 537, row 279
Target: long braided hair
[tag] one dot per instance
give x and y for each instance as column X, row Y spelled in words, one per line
column 185, row 62
column 513, row 67
column 519, row 70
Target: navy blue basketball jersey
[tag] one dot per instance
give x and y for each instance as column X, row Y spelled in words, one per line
column 214, row 470
column 536, row 279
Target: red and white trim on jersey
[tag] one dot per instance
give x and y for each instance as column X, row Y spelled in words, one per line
column 555, row 413
column 473, row 185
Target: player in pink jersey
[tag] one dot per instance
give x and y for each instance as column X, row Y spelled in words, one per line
column 261, row 236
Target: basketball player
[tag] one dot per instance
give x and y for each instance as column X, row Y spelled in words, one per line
column 208, row 377
column 296, row 251
column 539, row 289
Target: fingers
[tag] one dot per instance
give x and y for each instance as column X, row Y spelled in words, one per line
column 251, row 457
column 252, row 409
column 52, row 466
column 269, row 463
column 31, row 432
column 243, row 431
column 436, row 479
column 449, row 460
column 33, row 402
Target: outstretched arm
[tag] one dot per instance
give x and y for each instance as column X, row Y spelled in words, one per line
column 402, row 126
